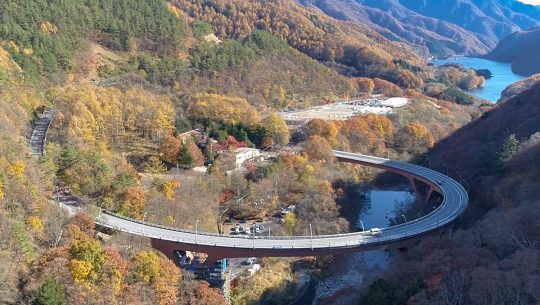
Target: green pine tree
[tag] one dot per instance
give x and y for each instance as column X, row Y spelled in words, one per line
column 185, row 158
column 50, row 293
column 509, row 148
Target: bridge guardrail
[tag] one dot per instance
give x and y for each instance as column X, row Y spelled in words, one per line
column 374, row 239
column 357, row 238
column 316, row 244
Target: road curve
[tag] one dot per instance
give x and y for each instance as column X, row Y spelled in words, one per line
column 455, row 200
column 39, row 134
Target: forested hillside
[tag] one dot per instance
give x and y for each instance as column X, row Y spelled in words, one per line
column 46, row 256
column 520, row 49
column 492, row 257
column 356, row 47
column 45, row 36
column 145, row 91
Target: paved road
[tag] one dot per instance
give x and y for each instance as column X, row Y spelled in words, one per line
column 454, row 202
column 38, row 138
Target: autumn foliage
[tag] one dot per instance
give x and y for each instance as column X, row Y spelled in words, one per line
column 133, row 203
column 223, row 109
column 92, row 114
column 316, row 35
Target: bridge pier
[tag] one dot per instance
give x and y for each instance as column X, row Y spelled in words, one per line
column 430, row 192
column 418, row 193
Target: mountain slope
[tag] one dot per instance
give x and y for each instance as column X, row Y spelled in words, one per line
column 355, row 48
column 521, row 49
column 444, row 27
column 44, row 36
column 473, row 150
column 492, row 18
column 490, row 256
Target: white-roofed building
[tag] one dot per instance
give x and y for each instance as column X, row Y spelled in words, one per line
column 243, row 154
column 395, row 102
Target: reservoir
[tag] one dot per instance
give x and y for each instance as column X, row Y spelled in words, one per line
column 502, row 75
column 349, row 271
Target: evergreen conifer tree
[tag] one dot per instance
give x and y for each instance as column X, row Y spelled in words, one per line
column 50, row 293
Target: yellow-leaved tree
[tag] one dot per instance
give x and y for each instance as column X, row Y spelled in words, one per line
column 146, row 266
column 277, row 128
column 80, row 270
column 34, row 223
column 170, row 187
column 17, row 169
column 87, row 259
column 221, row 108
column 2, row 194
column 290, row 223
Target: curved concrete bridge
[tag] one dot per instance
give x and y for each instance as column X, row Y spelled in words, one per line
column 169, row 240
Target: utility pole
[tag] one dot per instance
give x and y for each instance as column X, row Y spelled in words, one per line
column 311, row 234
column 220, row 226
column 196, row 229
column 144, row 216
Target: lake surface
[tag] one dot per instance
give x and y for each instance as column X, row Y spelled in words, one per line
column 380, row 206
column 502, row 75
column 349, row 271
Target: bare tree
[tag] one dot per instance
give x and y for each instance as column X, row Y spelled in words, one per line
column 55, row 225
column 454, row 289
column 521, row 241
column 511, row 292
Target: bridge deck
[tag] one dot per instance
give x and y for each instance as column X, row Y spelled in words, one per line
column 454, row 203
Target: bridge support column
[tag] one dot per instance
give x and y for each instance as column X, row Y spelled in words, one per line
column 417, row 193
column 431, row 190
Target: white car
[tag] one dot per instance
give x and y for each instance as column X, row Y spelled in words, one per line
column 375, row 232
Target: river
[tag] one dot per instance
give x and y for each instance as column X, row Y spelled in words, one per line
column 502, row 75
column 350, row 270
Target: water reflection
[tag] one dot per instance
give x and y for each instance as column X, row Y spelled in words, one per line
column 349, row 271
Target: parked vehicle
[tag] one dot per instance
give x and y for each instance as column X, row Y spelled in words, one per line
column 249, row 261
